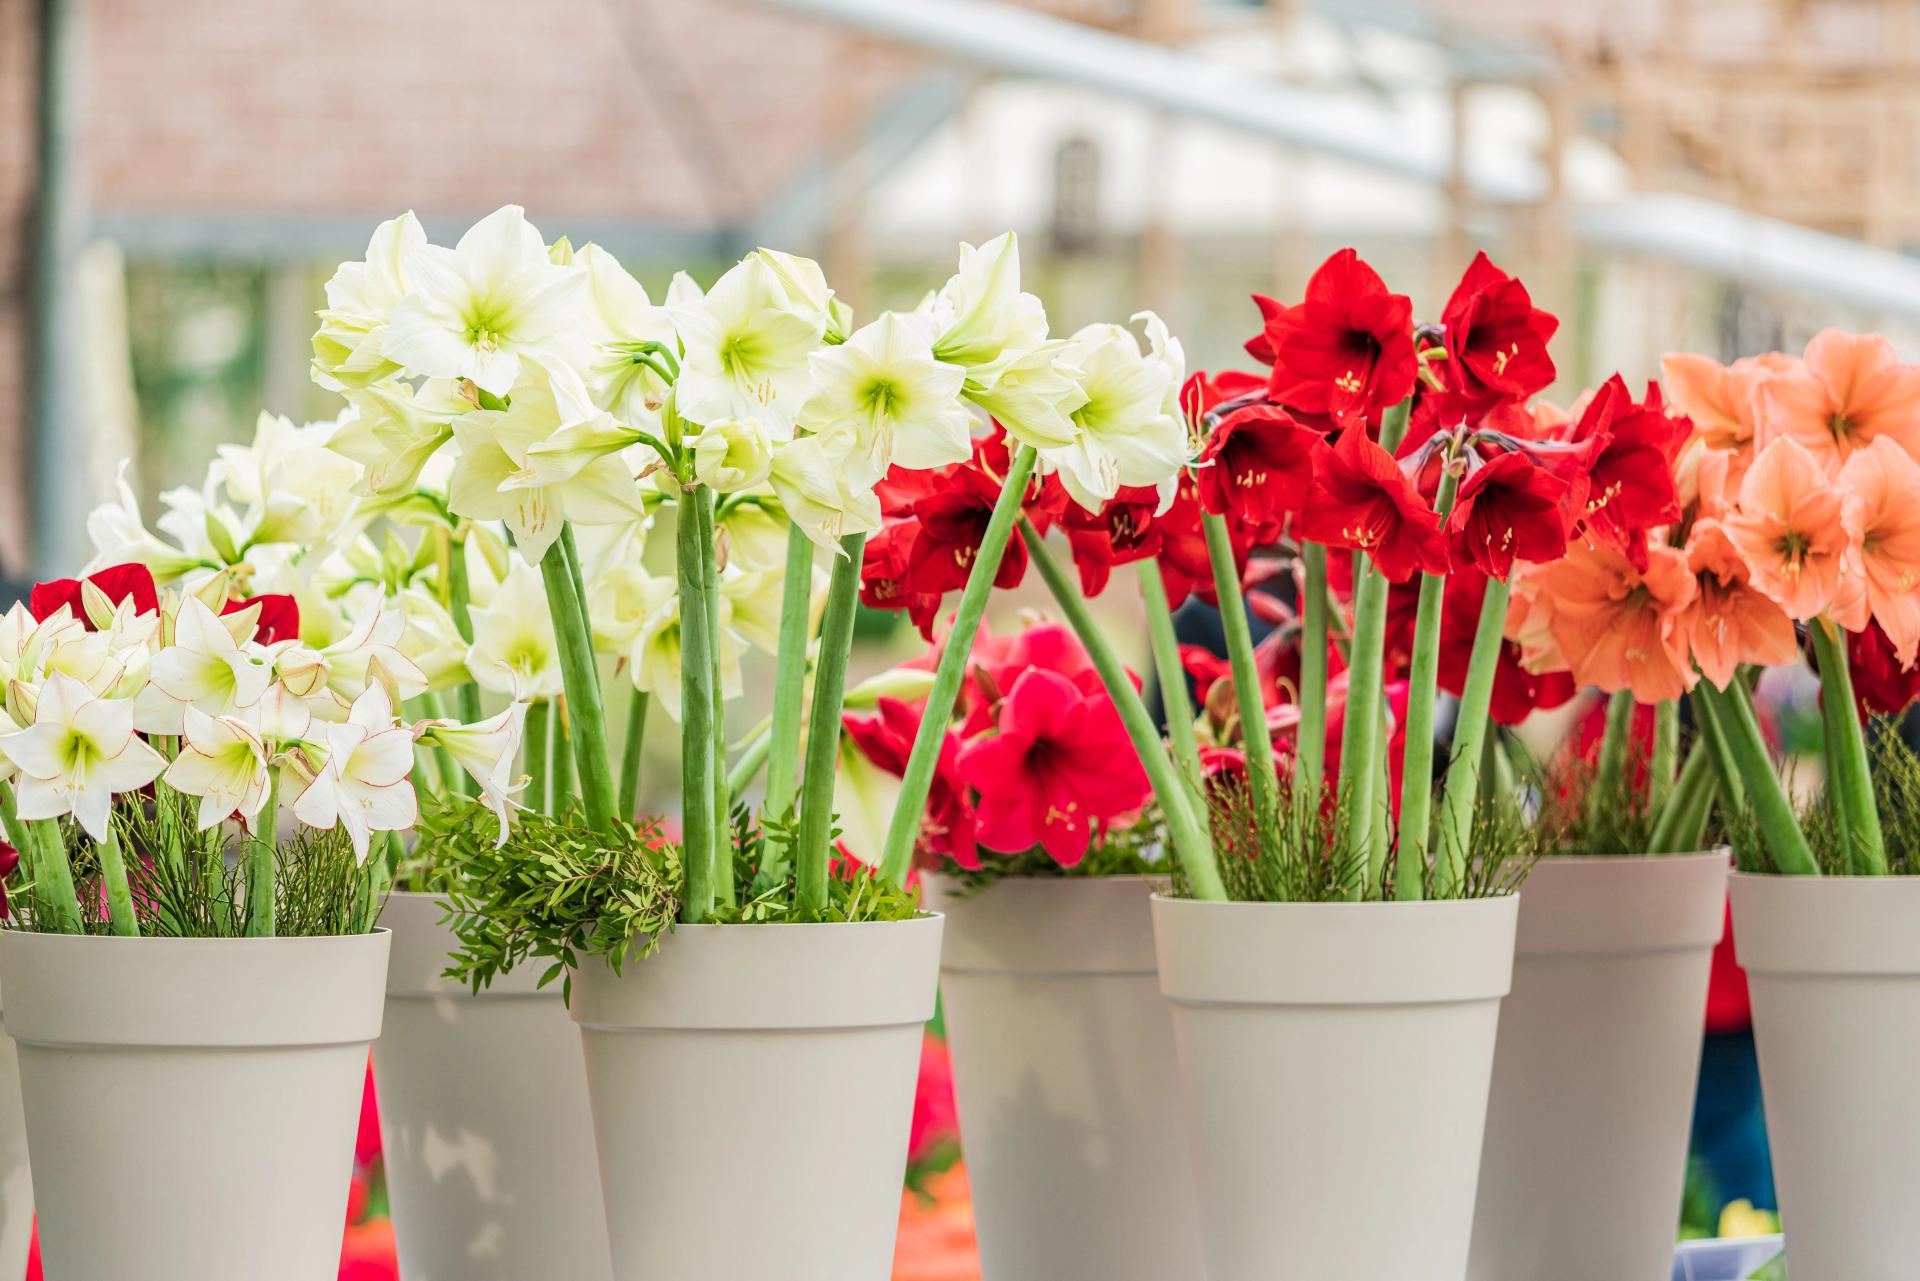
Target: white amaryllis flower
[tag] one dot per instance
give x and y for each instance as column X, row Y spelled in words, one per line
column 360, row 299
column 982, row 316
column 363, row 783
column 77, row 754
column 514, row 650
column 884, row 388
column 497, row 478
column 732, row 454
column 620, row 321
column 294, row 487
column 474, row 310
column 487, row 751
column 818, row 491
column 393, row 433
column 1034, row 396
column 654, row 664
column 206, row 667
column 754, row 533
column 1131, row 431
column 225, row 762
column 753, row 603
column 119, row 537
column 746, row 348
column 330, row 680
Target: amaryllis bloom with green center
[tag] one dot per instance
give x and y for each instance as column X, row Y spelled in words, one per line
column 225, row 762
column 474, row 310
column 362, row 785
column 206, row 666
column 747, row 344
column 486, row 750
column 514, row 650
column 1130, row 430
column 898, row 403
column 79, row 752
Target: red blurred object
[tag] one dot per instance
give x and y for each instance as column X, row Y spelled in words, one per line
column 1728, row 1008
column 33, row 1255
column 935, row 1120
column 369, row 1254
column 366, row 1144
column 936, row 1241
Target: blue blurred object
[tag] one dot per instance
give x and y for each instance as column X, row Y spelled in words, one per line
column 1731, row 1260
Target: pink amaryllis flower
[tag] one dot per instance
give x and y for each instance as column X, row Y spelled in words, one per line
column 1788, row 529
column 1848, row 391
column 1060, row 765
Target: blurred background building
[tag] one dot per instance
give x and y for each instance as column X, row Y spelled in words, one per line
column 176, row 179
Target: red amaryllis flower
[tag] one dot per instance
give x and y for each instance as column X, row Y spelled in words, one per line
column 1508, row 507
column 279, row 617
column 1361, row 499
column 1346, row 351
column 886, row 739
column 9, row 860
column 1130, row 527
column 1629, row 455
column 883, row 575
column 117, row 583
column 1496, row 339
column 1205, row 668
column 1203, row 391
column 1256, row 468
column 1517, row 692
column 1880, row 685
column 1060, row 765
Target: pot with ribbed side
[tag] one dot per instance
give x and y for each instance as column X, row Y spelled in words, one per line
column 1833, row 968
column 1066, row 1080
column 191, row 1103
column 1593, row 1080
column 1335, row 1059
column 483, row 1112
column 752, row 1090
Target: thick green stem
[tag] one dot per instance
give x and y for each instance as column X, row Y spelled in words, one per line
column 813, row 844
column 1849, row 780
column 723, row 887
column 790, row 674
column 1734, row 716
column 113, row 875
column 1361, row 731
column 1423, row 690
column 1184, row 827
column 538, row 731
column 558, row 568
column 1663, row 763
column 1609, row 779
column 1726, row 770
column 697, row 819
column 1262, row 777
column 903, row 829
column 1170, row 675
column 1310, row 737
column 560, row 777
column 460, row 605
column 41, row 849
column 1682, row 820
column 632, row 752
column 1462, row 786
column 261, row 851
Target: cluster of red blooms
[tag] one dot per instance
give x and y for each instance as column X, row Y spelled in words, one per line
column 1037, row 755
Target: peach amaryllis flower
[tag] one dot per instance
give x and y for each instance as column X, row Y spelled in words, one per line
column 1729, row 622
column 1787, row 528
column 1881, row 512
column 1849, row 390
column 1721, row 399
column 1616, row 626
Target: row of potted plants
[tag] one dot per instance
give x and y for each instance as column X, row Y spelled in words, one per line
column 328, row 759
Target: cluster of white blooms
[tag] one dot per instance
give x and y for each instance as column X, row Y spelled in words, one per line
column 244, row 715
column 504, row 388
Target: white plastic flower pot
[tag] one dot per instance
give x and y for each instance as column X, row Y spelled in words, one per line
column 16, row 1184
column 1066, row 1080
column 1593, row 1080
column 1335, row 1060
column 191, row 1103
column 483, row 1116
column 1833, row 966
column 752, row 1089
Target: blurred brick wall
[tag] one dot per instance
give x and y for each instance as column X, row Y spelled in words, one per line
column 17, row 84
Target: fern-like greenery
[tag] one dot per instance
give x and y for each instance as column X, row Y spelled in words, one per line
column 1895, row 771
column 559, row 893
column 1292, row 856
column 187, row 883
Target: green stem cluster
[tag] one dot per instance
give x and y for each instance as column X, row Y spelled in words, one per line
column 1262, row 778
column 1461, row 789
column 566, row 601
column 1423, row 683
column 1732, row 715
column 1849, row 781
column 813, row 846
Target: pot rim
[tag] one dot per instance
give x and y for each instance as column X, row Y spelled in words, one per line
column 1837, row 926
column 1043, row 927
